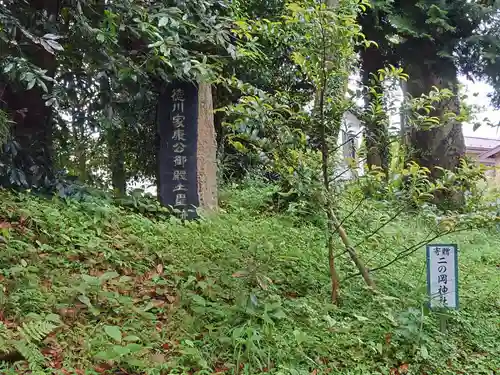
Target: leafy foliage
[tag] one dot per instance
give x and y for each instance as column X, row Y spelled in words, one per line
column 242, row 293
column 452, row 27
column 111, row 63
column 26, row 340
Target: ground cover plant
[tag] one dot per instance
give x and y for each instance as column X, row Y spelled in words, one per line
column 89, row 287
column 313, row 261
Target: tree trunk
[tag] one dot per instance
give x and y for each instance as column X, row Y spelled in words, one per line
column 117, row 163
column 376, row 130
column 116, row 157
column 444, row 145
column 32, row 119
column 113, row 138
column 80, row 146
column 219, row 101
column 32, row 127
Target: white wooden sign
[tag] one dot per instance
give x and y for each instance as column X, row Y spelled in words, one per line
column 442, row 276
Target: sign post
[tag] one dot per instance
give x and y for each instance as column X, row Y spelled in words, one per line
column 442, row 278
column 187, row 148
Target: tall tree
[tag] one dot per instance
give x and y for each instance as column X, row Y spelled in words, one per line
column 29, row 32
column 373, row 58
column 431, row 40
column 138, row 45
column 443, row 145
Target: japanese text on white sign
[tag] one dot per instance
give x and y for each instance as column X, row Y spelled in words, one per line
column 442, row 276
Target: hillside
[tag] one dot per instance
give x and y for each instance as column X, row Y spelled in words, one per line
column 247, row 292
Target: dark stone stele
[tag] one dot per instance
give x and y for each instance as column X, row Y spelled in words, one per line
column 167, row 154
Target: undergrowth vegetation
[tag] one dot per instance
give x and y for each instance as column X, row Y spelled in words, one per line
column 89, row 287
column 318, row 269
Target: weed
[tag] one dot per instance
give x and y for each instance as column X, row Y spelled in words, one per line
column 89, row 288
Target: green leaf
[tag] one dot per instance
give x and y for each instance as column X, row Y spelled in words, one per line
column 43, row 85
column 53, row 318
column 92, row 280
column 113, row 332
column 131, row 338
column 46, row 46
column 298, row 58
column 295, row 8
column 300, row 336
column 121, row 350
column 163, row 21
column 51, row 36
column 86, row 301
column 134, row 348
column 8, row 68
column 279, row 314
column 106, row 355
column 423, row 352
column 239, row 146
column 186, row 66
column 148, row 306
column 199, row 300
column 361, row 318
column 31, row 84
column 156, row 44
column 48, row 103
column 55, row 45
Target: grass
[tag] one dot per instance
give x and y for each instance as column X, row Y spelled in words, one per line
column 243, row 293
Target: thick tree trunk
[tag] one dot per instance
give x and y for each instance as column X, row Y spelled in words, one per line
column 32, row 124
column 376, row 130
column 32, row 119
column 444, row 145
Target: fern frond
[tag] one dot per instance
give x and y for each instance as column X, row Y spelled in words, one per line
column 23, row 343
column 30, row 353
column 5, row 337
column 36, row 331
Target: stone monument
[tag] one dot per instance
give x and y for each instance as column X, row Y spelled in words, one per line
column 187, row 154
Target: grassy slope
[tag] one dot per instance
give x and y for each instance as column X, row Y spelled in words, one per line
column 197, row 296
